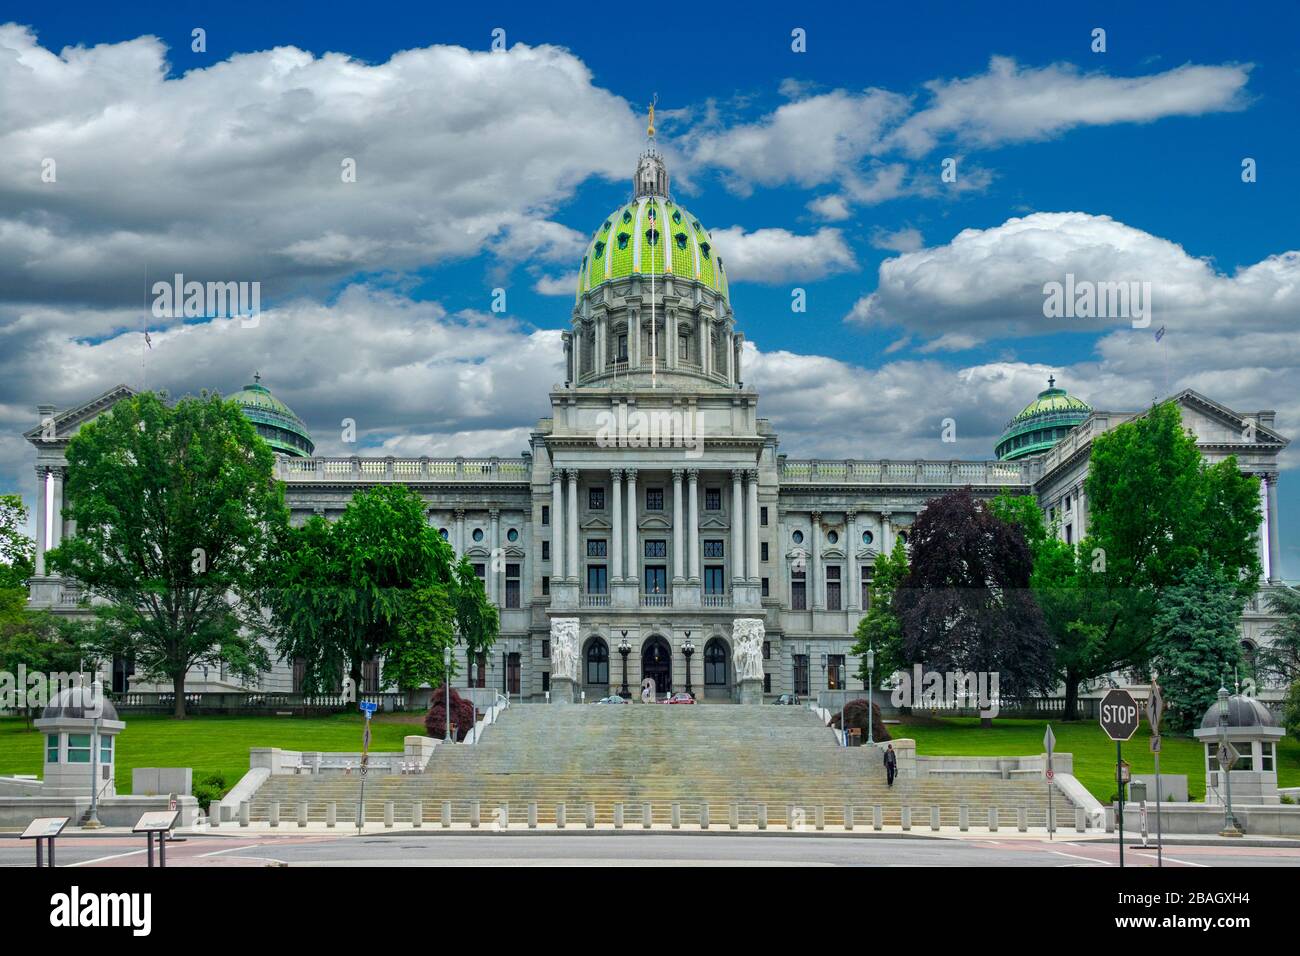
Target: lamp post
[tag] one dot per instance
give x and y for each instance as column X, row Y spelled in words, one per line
column 1229, row 821
column 625, row 648
column 96, row 691
column 823, row 678
column 688, row 649
column 871, row 707
column 446, row 690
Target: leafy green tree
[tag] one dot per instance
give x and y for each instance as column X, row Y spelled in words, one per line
column 176, row 508
column 879, row 628
column 16, row 549
column 378, row 582
column 1291, row 711
column 1195, row 646
column 40, row 643
column 1280, row 657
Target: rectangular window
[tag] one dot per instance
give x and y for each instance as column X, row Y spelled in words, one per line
column 546, row 648
column 832, row 588
column 546, row 681
column 767, row 650
column 512, row 592
column 762, row 551
column 835, row 672
column 766, row 588
column 596, row 548
column 546, row 550
column 762, row 516
column 656, row 580
column 546, row 514
column 656, row 549
column 866, row 588
column 105, row 750
column 713, row 549
column 596, row 499
column 597, row 579
column 480, row 572
column 622, row 348
column 714, row 581
column 52, row 748
column 798, row 594
column 78, row 748
column 546, row 585
column 767, row 683
column 801, row 674
column 1067, row 502
column 1268, row 757
column 683, row 348
column 654, row 499
column 712, row 499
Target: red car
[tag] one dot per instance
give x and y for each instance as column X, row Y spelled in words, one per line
column 680, row 699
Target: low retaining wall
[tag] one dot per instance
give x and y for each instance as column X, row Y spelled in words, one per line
column 1201, row 819
column 17, row 812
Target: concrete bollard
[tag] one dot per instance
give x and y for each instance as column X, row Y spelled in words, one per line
column 417, row 813
column 274, row 817
column 302, row 814
column 559, row 816
column 820, row 816
column 243, row 813
column 388, row 814
column 877, row 817
column 848, row 818
column 618, row 816
column 591, row 816
column 733, row 817
column 934, row 818
column 473, row 814
column 704, row 816
column 1022, row 819
column 1081, row 819
column 905, row 818
column 993, row 819
column 214, row 814
column 963, row 818
column 532, row 815
column 1110, row 816
column 446, row 814
column 331, row 813
column 677, row 816
column 647, row 818
column 762, row 816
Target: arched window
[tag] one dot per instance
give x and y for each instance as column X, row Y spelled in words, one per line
column 597, row 662
column 715, row 663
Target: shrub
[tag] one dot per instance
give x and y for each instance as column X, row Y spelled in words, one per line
column 462, row 715
column 209, row 788
column 855, row 715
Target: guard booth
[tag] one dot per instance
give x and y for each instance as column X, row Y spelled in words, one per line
column 1252, row 731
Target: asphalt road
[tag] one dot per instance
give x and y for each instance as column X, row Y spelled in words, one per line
column 656, row 849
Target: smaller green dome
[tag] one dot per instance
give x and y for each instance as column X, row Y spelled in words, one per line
column 1042, row 423
column 274, row 420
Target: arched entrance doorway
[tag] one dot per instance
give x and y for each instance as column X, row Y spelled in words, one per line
column 717, row 682
column 595, row 667
column 657, row 663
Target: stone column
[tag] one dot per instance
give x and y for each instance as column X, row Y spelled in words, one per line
column 706, row 345
column 633, row 572
column 1274, row 540
column 634, row 339
column 886, row 545
column 751, row 526
column 737, row 526
column 814, row 565
column 679, row 520
column 56, row 508
column 557, row 524
column 602, row 326
column 731, row 358
column 616, row 512
column 693, row 523
column 42, row 499
column 494, row 557
column 572, row 561
column 851, row 546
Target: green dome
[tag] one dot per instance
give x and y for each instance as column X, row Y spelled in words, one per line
column 1044, row 422
column 274, row 420
column 651, row 235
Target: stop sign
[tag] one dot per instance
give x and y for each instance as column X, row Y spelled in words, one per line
column 1119, row 715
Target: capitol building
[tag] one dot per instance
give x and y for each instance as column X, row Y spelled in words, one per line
column 655, row 508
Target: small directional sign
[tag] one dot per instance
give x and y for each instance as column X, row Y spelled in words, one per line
column 368, row 707
column 1155, row 745
column 1155, row 708
column 1049, row 740
column 1228, row 755
column 1119, row 715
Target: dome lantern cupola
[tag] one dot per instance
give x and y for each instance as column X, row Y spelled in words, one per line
column 1042, row 423
column 275, row 421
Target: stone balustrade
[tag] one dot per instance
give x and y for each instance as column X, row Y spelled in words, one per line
column 795, row 471
column 357, row 468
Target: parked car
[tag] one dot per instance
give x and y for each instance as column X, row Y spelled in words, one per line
column 613, row 699
column 791, row 699
column 680, row 698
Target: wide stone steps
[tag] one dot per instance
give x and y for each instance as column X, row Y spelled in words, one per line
column 713, row 756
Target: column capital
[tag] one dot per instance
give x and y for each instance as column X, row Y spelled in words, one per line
column 677, row 474
column 494, row 513
column 816, row 516
column 616, row 474
column 692, row 474
column 630, row 474
column 738, row 474
column 850, row 515
column 1269, row 477
column 751, row 474
column 459, row 513
column 571, row 474
column 557, row 475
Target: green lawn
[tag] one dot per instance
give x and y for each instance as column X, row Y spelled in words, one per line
column 1094, row 752
column 212, row 744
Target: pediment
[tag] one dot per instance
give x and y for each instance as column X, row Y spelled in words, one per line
column 1213, row 423
column 69, row 421
column 654, row 522
column 595, row 523
column 714, row 522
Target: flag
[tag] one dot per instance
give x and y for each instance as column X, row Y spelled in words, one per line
column 148, row 341
column 1160, row 333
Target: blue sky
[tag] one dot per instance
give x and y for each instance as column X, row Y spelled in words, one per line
column 1151, row 133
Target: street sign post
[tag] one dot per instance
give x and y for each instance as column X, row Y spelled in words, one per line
column 367, row 707
column 1049, row 745
column 1119, row 719
column 1155, row 710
